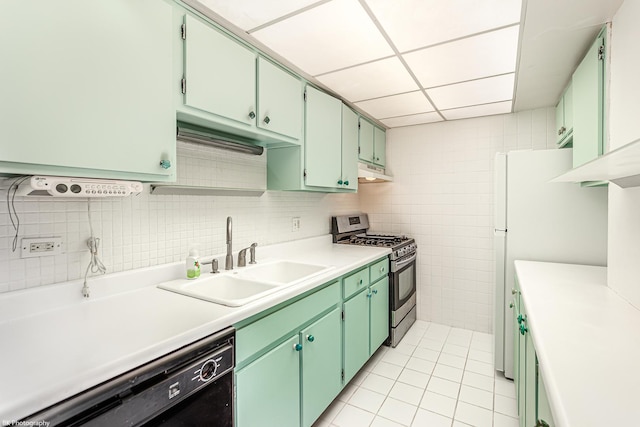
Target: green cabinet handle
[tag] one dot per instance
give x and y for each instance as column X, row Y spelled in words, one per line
column 252, row 115
column 521, row 319
column 523, row 330
column 369, row 295
column 510, row 305
column 513, row 291
column 267, row 120
column 360, row 282
column 346, row 183
column 340, row 182
column 165, row 164
column 297, row 347
column 310, row 338
column 381, row 269
column 375, row 291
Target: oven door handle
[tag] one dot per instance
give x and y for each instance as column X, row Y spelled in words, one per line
column 397, row 265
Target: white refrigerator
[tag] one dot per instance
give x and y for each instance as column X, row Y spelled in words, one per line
column 540, row 221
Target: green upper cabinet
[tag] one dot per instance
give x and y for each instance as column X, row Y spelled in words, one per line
column 588, row 104
column 323, row 139
column 279, row 100
column 87, row 89
column 366, row 141
column 372, row 144
column 219, row 73
column 380, row 147
column 564, row 118
column 349, row 175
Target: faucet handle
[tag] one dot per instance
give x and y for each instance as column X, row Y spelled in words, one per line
column 242, row 258
column 252, row 252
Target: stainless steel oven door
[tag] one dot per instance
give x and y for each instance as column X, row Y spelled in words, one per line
column 403, row 281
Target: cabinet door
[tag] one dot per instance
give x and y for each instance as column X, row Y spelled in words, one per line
column 366, row 141
column 220, row 73
column 530, row 372
column 356, row 334
column 279, row 100
column 379, row 147
column 349, row 148
column 323, row 142
column 543, row 408
column 379, row 313
column 269, row 388
column 88, row 88
column 588, row 101
column 322, row 365
column 568, row 110
column 560, row 120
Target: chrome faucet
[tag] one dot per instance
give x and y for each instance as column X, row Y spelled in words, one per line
column 242, row 255
column 228, row 261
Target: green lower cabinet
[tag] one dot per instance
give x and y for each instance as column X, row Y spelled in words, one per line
column 530, row 383
column 379, row 313
column 321, row 365
column 356, row 334
column 257, row 396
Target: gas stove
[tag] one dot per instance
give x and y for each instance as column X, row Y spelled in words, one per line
column 352, row 230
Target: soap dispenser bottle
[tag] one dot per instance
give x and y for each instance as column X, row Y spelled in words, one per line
column 193, row 265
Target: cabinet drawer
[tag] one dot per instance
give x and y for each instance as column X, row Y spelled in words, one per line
column 356, row 282
column 256, row 336
column 379, row 269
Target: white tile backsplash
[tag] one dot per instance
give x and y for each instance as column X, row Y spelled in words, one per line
column 147, row 230
column 442, row 195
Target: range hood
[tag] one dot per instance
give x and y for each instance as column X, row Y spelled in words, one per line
column 368, row 174
column 199, row 135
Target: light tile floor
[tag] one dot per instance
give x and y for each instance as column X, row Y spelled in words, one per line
column 438, row 376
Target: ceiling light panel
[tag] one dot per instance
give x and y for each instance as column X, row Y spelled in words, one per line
column 471, row 58
column 478, row 110
column 372, row 80
column 412, row 24
column 396, row 105
column 415, row 119
column 249, row 14
column 483, row 91
column 328, row 37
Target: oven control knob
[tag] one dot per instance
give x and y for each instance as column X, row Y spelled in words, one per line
column 208, row 370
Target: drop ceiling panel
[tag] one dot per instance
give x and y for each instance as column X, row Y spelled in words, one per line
column 325, row 38
column 478, row 110
column 413, row 24
column 249, row 14
column 415, row 119
column 372, row 80
column 475, row 57
column 483, row 91
column 396, row 105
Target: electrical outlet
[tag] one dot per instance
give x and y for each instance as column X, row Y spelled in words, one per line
column 295, row 224
column 40, row 246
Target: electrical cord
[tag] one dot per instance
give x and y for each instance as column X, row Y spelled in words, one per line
column 11, row 207
column 95, row 265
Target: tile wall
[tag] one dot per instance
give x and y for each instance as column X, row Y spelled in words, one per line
column 147, row 229
column 442, row 195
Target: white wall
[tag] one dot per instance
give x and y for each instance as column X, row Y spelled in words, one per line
column 443, row 196
column 147, row 230
column 624, row 127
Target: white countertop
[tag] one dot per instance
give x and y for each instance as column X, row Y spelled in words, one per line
column 57, row 344
column 587, row 342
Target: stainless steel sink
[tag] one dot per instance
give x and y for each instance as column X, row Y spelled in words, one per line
column 243, row 286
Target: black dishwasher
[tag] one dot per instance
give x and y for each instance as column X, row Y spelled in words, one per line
column 192, row 386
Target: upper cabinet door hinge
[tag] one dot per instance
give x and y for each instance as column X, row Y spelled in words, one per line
column 183, row 84
column 358, row 149
column 304, row 173
column 304, row 96
column 601, row 52
column 342, row 314
column 358, row 125
column 342, row 375
column 183, row 31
